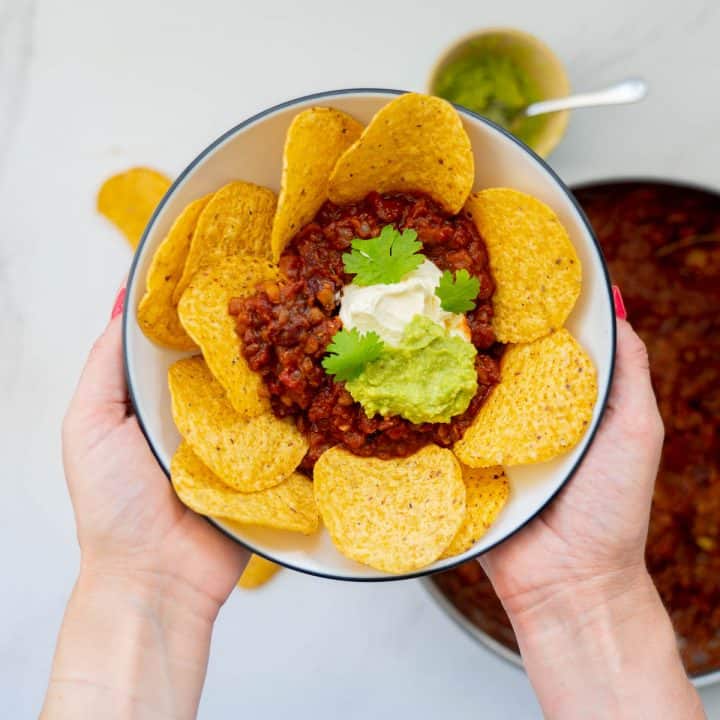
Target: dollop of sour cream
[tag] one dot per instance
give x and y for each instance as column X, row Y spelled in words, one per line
column 388, row 309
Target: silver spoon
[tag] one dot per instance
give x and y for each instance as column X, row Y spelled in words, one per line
column 627, row 91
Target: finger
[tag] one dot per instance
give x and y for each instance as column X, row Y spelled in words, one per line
column 102, row 384
column 620, row 309
column 119, row 305
column 631, row 381
column 633, row 416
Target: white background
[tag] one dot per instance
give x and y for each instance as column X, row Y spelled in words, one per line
column 89, row 87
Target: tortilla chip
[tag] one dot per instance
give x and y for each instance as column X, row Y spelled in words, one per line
column 204, row 314
column 157, row 314
column 237, row 219
column 395, row 515
column 414, row 143
column 536, row 269
column 315, row 140
column 287, row 506
column 486, row 492
column 257, row 572
column 540, row 409
column 129, row 199
column 248, row 455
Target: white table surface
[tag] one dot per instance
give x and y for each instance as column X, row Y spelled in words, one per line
column 89, row 87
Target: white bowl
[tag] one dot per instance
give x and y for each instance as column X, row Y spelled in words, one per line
column 253, row 151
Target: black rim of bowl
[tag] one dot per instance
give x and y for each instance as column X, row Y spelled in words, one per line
column 322, row 96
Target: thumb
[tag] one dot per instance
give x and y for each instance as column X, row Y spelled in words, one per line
column 101, row 393
column 632, row 388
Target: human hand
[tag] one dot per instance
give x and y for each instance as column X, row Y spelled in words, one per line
column 129, row 521
column 136, row 633
column 594, row 532
column 595, row 639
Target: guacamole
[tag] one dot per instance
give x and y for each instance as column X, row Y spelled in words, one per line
column 493, row 85
column 429, row 377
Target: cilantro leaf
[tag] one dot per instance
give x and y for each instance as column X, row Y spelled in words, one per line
column 384, row 259
column 457, row 295
column 349, row 352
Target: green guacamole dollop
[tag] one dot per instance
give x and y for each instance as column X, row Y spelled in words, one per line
column 492, row 85
column 429, row 377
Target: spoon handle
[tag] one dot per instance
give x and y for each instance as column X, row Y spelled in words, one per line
column 627, row 91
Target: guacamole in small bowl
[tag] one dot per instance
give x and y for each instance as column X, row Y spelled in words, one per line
column 497, row 74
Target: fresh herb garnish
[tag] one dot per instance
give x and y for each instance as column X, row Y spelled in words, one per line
column 457, row 295
column 349, row 352
column 384, row 259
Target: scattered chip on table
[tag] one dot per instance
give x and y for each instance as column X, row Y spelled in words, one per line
column 204, row 314
column 287, row 506
column 129, row 199
column 246, row 454
column 157, row 314
column 317, row 137
column 395, row 515
column 237, row 219
column 486, row 492
column 536, row 269
column 257, row 572
column 539, row 410
column 414, row 143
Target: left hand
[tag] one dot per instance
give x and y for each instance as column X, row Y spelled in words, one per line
column 130, row 523
column 594, row 636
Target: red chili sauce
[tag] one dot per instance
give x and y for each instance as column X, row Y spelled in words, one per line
column 662, row 245
column 285, row 327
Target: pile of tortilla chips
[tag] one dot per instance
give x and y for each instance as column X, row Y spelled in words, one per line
column 238, row 460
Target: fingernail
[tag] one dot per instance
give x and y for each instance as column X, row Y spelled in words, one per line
column 119, row 304
column 620, row 310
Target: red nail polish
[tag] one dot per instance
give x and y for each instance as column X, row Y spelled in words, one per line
column 119, row 304
column 620, row 310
